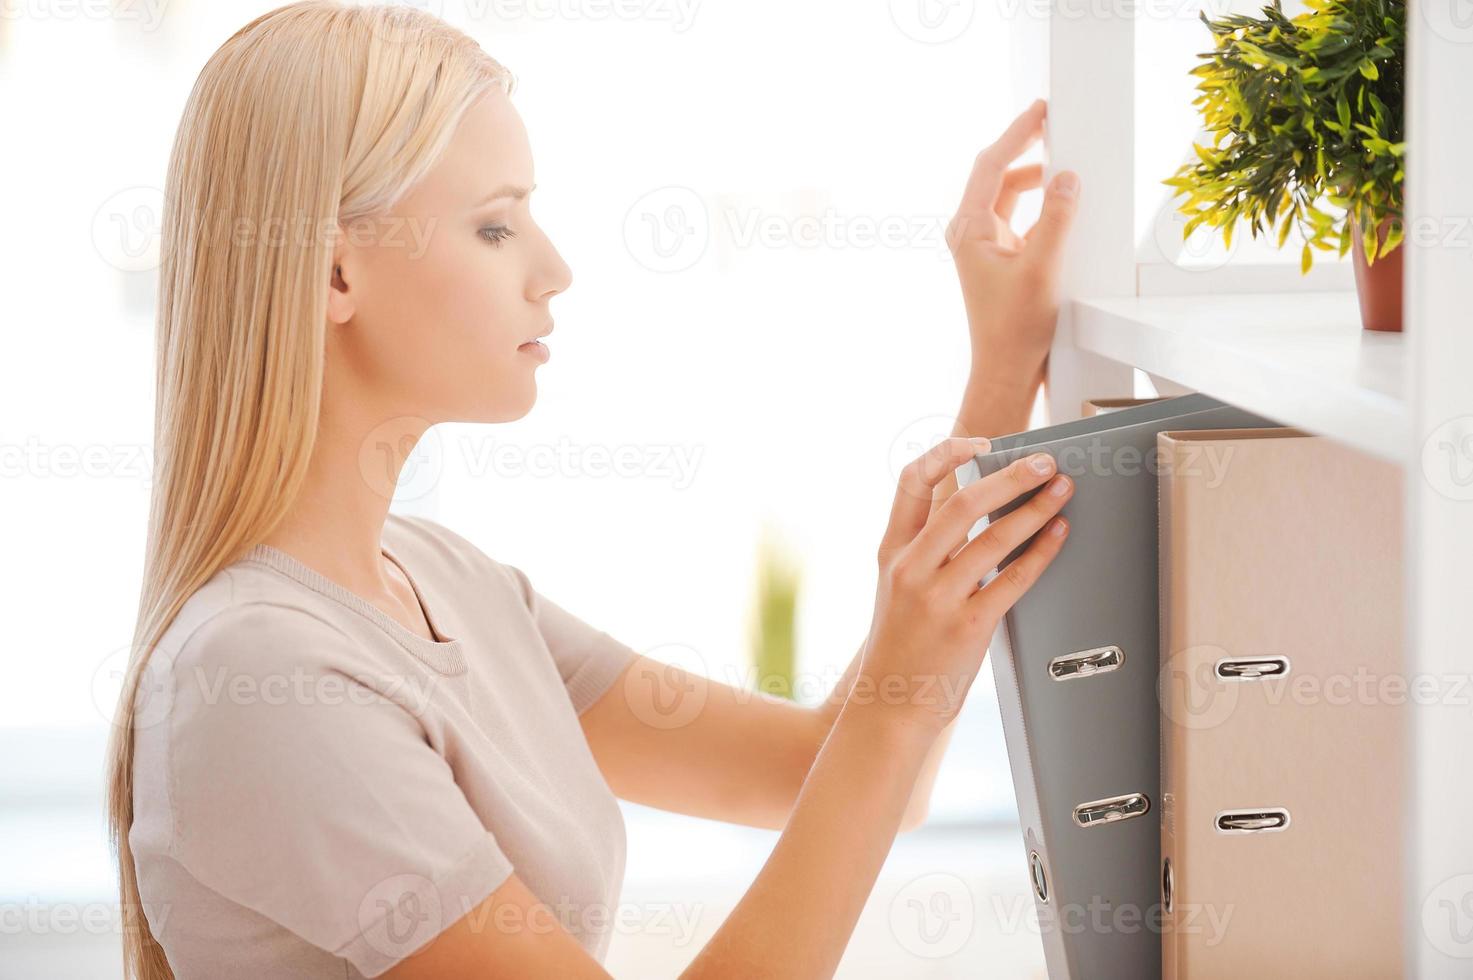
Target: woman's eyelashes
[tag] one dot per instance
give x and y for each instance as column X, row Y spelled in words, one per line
column 496, row 234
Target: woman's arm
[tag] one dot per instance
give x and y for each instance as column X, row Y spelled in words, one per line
column 796, row 919
column 675, row 740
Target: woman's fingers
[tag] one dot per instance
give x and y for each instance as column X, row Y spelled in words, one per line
column 999, row 538
column 948, row 527
column 917, row 482
column 979, row 199
column 1015, row 182
column 1045, row 240
column 995, row 598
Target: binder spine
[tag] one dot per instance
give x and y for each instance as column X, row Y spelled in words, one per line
column 1020, row 762
column 1169, row 515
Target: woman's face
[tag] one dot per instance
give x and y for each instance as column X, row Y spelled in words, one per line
column 437, row 300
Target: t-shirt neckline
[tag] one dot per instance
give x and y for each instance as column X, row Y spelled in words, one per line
column 444, row 654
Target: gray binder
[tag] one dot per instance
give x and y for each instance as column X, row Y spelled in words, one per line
column 1076, row 662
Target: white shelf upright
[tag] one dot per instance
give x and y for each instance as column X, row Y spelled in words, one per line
column 1245, row 333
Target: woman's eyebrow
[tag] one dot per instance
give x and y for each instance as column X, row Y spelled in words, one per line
column 512, row 191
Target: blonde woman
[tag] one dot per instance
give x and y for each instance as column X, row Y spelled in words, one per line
column 351, row 744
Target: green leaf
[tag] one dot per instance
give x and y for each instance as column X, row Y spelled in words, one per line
column 1394, row 236
column 1306, row 259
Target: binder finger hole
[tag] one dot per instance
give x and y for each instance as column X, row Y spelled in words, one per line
column 1040, row 880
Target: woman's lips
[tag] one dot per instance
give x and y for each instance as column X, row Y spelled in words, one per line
column 537, row 349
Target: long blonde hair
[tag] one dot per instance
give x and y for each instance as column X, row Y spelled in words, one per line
column 311, row 117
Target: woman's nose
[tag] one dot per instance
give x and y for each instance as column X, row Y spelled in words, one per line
column 555, row 275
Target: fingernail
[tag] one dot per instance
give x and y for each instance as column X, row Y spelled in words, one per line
column 982, row 442
column 1067, row 183
column 1058, row 528
column 1059, row 486
column 1041, row 462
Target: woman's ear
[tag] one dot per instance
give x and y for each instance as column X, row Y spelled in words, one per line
column 340, row 302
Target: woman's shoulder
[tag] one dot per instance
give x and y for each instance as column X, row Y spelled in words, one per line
column 268, row 610
column 403, row 531
column 434, row 546
column 246, row 614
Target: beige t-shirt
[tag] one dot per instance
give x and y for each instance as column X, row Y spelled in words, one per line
column 319, row 791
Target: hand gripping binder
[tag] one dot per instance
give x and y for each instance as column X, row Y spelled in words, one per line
column 1075, row 661
column 1283, row 700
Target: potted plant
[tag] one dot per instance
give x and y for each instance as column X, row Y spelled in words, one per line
column 1306, row 111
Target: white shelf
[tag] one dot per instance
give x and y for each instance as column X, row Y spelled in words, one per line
column 1299, row 358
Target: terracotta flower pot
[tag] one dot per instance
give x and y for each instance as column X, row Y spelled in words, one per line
column 1378, row 284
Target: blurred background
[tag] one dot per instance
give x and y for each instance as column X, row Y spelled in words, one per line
column 763, row 328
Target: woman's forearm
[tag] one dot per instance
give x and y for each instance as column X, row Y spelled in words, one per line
column 995, row 405
column 920, row 798
column 797, row 917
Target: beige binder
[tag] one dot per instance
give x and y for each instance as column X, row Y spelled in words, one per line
column 1104, row 406
column 1283, row 698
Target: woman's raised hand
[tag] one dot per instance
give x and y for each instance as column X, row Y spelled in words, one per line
column 1009, row 281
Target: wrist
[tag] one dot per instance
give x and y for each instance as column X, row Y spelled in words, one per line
column 898, row 725
column 994, row 405
column 1007, row 376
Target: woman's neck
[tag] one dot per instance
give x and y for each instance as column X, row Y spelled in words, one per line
column 335, row 525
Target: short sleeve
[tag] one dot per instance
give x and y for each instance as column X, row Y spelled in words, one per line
column 588, row 659
column 305, row 795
